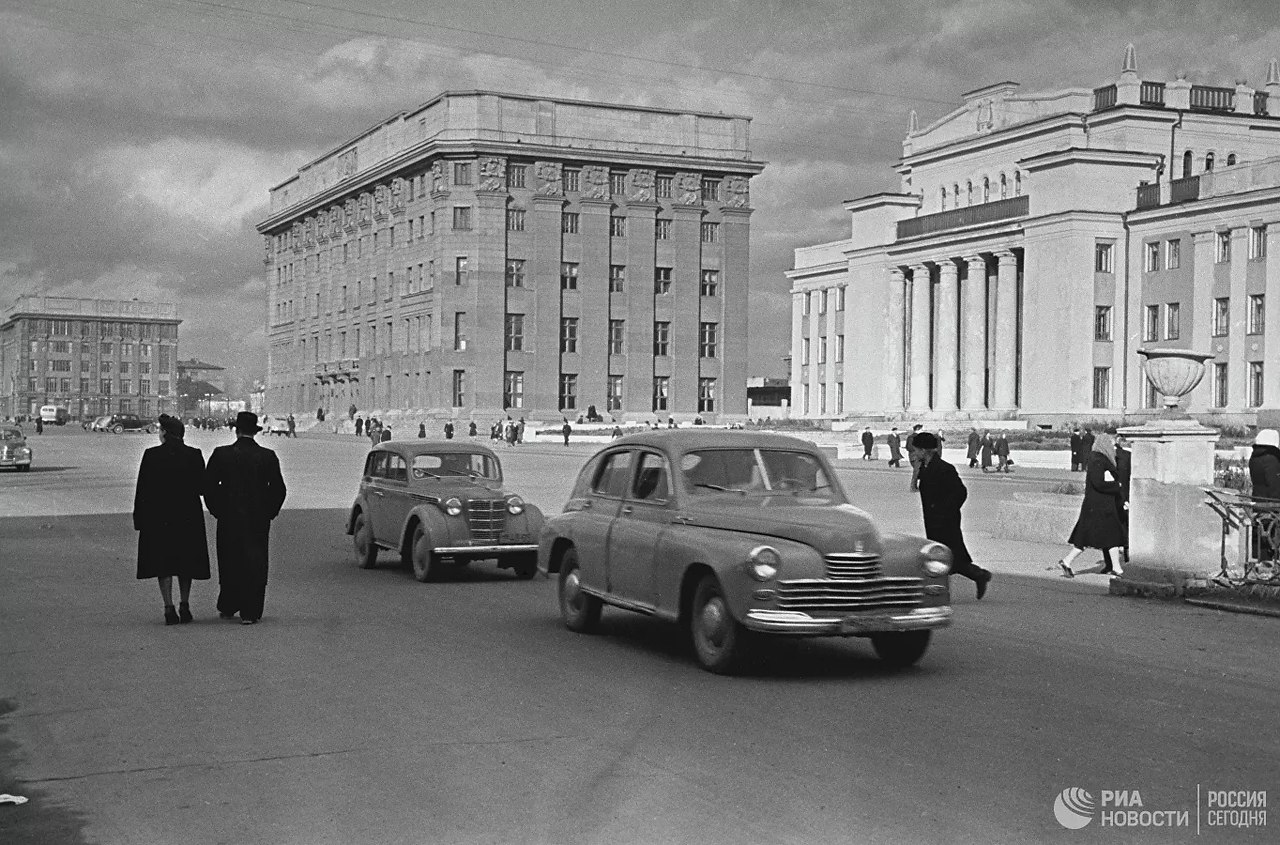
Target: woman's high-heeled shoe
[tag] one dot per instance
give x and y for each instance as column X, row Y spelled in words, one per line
column 1067, row 571
column 170, row 615
column 184, row 612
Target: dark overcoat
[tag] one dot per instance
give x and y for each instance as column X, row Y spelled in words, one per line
column 1099, row 525
column 244, row 490
column 1264, row 472
column 987, row 446
column 167, row 513
column 942, row 494
column 975, row 443
column 1077, row 443
column 895, row 447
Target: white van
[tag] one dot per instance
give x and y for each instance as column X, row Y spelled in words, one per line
column 54, row 414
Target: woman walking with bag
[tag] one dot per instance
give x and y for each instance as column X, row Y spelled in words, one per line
column 1099, row 525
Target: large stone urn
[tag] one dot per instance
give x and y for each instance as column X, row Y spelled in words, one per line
column 1173, row 537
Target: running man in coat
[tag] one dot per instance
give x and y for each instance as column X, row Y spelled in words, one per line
column 244, row 490
column 942, row 494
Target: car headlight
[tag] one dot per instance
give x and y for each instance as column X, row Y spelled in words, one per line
column 22, row 452
column 763, row 563
column 937, row 559
column 515, row 505
column 452, row 506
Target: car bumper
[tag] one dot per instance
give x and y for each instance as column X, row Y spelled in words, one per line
column 477, row 551
column 853, row 625
column 22, row 462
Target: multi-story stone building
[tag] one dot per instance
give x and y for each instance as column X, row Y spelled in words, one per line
column 1037, row 242
column 92, row 356
column 488, row 252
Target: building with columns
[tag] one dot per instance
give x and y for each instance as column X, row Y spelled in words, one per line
column 488, row 253
column 1011, row 276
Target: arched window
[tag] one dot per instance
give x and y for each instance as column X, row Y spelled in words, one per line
column 1186, row 164
column 955, row 192
column 944, row 197
column 1004, row 186
column 969, row 193
column 986, row 189
column 1017, row 184
column 1208, row 162
column 1231, row 159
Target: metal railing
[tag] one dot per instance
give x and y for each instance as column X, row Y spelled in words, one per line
column 1212, row 98
column 1260, row 99
column 1250, row 536
column 1104, row 97
column 973, row 215
column 1151, row 94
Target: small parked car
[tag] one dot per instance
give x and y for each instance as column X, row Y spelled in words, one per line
column 14, row 451
column 97, row 423
column 120, row 423
column 276, row 425
column 439, row 505
column 736, row 535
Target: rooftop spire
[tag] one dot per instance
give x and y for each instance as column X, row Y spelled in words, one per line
column 1130, row 59
column 914, row 126
column 1273, row 73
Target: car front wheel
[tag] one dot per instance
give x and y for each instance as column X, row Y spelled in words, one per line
column 579, row 609
column 117, row 429
column 719, row 640
column 901, row 649
column 366, row 550
column 427, row 565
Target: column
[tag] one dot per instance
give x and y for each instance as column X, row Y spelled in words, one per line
column 798, row 375
column 973, row 343
column 944, row 391
column 1006, row 363
column 1271, row 323
column 894, row 341
column 919, row 339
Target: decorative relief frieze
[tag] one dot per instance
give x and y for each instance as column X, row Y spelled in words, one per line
column 366, row 209
column 737, row 193
column 351, row 214
column 268, row 242
column 335, row 219
column 595, row 183
column 688, row 189
column 493, row 173
column 397, row 194
column 437, row 176
column 348, row 164
column 296, row 236
column 640, row 185
column 547, row 176
column 381, row 201
column 309, row 232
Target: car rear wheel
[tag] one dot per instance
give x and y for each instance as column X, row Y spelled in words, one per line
column 427, row 565
column 117, row 429
column 719, row 640
column 901, row 649
column 366, row 550
column 579, row 609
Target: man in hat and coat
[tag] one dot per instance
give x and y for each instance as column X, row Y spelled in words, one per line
column 895, row 447
column 942, row 494
column 868, row 442
column 169, row 518
column 244, row 490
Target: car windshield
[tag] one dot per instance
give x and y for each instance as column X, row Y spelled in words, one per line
column 10, row 434
column 455, row 464
column 773, row 471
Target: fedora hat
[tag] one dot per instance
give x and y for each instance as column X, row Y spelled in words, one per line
column 247, row 421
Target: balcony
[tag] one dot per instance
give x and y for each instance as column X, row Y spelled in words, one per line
column 1210, row 98
column 1148, row 196
column 1104, row 97
column 1260, row 102
column 1151, row 94
column 958, row 218
column 1186, row 189
column 1179, row 190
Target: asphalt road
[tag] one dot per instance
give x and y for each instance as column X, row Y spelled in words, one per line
column 369, row 708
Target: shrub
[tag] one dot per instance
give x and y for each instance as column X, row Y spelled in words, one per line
column 1232, row 473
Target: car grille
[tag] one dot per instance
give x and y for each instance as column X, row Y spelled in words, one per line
column 849, row 596
column 5, row 453
column 853, row 565
column 485, row 518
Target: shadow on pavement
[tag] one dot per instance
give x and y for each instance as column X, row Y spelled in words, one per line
column 39, row 821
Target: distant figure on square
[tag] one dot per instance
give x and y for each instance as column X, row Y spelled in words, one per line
column 169, row 518
column 471, row 430
column 1077, row 446
column 448, row 430
column 975, row 446
column 359, row 426
column 385, row 435
column 868, row 443
column 565, row 430
column 1001, row 448
column 244, row 490
column 293, row 427
column 942, row 495
column 1099, row 526
column 422, row 430
column 895, row 447
column 985, row 451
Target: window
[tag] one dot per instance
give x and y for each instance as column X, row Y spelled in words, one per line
column 515, row 272
column 568, row 276
column 822, row 301
column 839, row 349
column 662, row 229
column 1173, row 254
column 1219, row 385
column 513, row 390
column 1257, row 314
column 616, row 278
column 840, row 298
column 105, row 348
column 1186, row 164
column 1231, row 159
column 459, row 387
column 1017, row 184
column 460, row 270
column 617, row 337
column 706, row 395
column 569, row 179
column 661, row 389
column 617, row 226
column 516, row 175
column 662, row 280
column 1221, row 316
column 33, row 385
column 569, row 222
column 663, row 187
column 1255, row 384
column 1101, row 325
column 986, row 189
column 614, row 477
column 1172, row 321
column 462, row 217
column 568, row 334
column 613, row 397
column 1153, row 256
column 1004, row 186
column 710, row 190
column 707, row 339
column 804, row 355
column 1223, row 250
column 710, row 282
column 1101, row 387
column 822, row 349
column 460, row 331
column 61, row 347
column 124, row 367
column 617, row 183
column 568, row 391
column 103, row 366
column 1258, row 242
column 84, row 385
column 126, row 387
column 515, row 333
column 1151, row 327
column 942, row 202
column 710, row 233
column 51, row 385
column 1208, row 162
column 515, row 219
column 462, row 173
column 661, row 338
column 1104, row 257
column 144, row 386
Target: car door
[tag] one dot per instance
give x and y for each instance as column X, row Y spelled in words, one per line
column 375, row 493
column 393, row 498
column 596, row 514
column 641, row 523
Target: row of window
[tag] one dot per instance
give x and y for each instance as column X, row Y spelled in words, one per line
column 1162, row 321
column 1219, row 390
column 820, row 298
column 1188, row 162
column 822, row 399
column 513, row 392
column 1167, row 254
column 127, row 350
column 708, row 336
column 986, row 188
column 123, row 386
column 64, row 366
column 102, row 328
column 822, row 350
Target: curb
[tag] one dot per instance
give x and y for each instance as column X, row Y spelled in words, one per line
column 1231, row 606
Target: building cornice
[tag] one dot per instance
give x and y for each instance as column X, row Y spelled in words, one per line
column 999, row 138
column 1081, row 155
column 884, row 199
column 1209, row 205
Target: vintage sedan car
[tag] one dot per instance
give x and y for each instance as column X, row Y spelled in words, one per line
column 440, row 504
column 14, row 451
column 739, row 534
column 120, row 423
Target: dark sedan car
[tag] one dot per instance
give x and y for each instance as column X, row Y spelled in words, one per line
column 120, row 423
column 739, row 534
column 439, row 505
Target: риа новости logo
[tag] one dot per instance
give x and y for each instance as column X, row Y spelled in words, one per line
column 1073, row 808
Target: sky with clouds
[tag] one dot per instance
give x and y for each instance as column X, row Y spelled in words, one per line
column 138, row 138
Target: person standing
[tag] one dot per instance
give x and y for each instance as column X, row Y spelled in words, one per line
column 244, row 491
column 913, row 457
column 471, row 430
column 39, row 424
column 942, row 495
column 520, row 431
column 359, row 426
column 975, row 444
column 293, row 427
column 1098, row 526
column 1077, row 443
column 448, row 430
column 169, row 518
column 1264, row 473
column 422, row 430
column 384, row 435
column 868, row 442
column 985, row 451
column 1001, row 449
column 565, row 431
column 895, row 448
column 1086, row 448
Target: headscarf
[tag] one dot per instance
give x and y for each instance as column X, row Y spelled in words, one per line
column 1105, row 444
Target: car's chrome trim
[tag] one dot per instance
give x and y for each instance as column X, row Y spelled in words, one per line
column 472, row 550
column 625, row 604
column 851, row 625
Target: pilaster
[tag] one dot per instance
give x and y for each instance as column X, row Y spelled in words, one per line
column 973, row 349
column 918, row 401
column 1005, row 376
column 946, row 374
column 895, row 341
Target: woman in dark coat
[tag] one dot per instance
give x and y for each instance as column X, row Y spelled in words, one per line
column 942, row 494
column 1264, row 473
column 987, row 446
column 169, row 518
column 1099, row 525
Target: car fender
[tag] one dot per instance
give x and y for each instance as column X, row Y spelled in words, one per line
column 556, row 531
column 356, row 506
column 434, row 525
column 526, row 524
